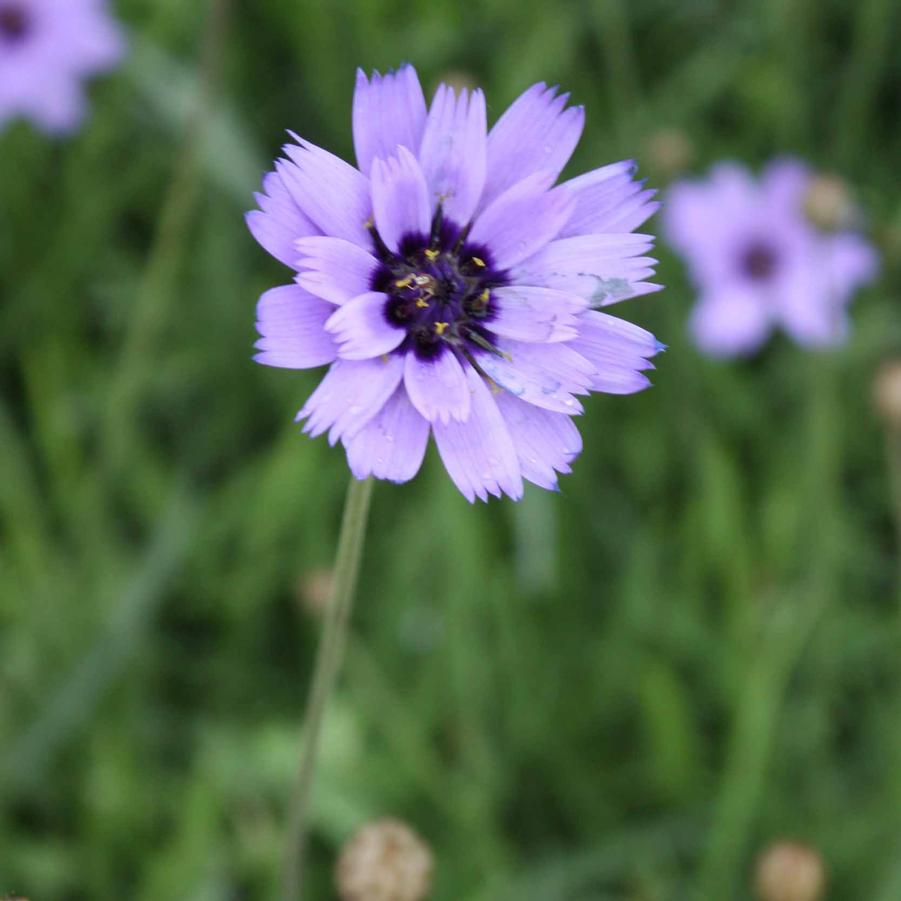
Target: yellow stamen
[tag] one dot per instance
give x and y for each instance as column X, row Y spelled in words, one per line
column 422, row 304
column 432, row 255
column 441, row 327
column 478, row 261
column 484, row 296
column 404, row 282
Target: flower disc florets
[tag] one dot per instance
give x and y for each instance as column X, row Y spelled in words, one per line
column 15, row 21
column 439, row 290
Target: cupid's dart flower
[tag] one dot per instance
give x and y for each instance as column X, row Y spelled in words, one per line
column 759, row 263
column 450, row 286
column 47, row 49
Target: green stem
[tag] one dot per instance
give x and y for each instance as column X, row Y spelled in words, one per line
column 328, row 662
column 893, row 463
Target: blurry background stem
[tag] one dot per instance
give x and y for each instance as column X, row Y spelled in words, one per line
column 328, row 661
column 157, row 290
column 777, row 635
column 893, row 462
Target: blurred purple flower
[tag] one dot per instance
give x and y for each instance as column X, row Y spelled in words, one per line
column 47, row 48
column 759, row 263
column 450, row 286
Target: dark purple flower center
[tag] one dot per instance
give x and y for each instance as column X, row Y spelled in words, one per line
column 15, row 22
column 439, row 290
column 759, row 261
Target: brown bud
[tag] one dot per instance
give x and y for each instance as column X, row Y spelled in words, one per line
column 887, row 392
column 829, row 204
column 790, row 871
column 670, row 151
column 384, row 861
column 314, row 590
column 459, row 80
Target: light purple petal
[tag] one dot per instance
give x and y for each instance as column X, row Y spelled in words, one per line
column 400, row 198
column 537, row 133
column 784, row 184
column 330, row 192
column 522, row 220
column 547, row 375
column 334, row 269
column 453, row 153
column 851, row 263
column 536, row 314
column 388, row 111
column 619, row 352
column 610, row 333
column 546, row 443
column 60, row 106
column 608, row 200
column 361, row 329
column 279, row 221
column 702, row 218
column 352, row 392
column 392, row 444
column 730, row 322
column 602, row 268
column 809, row 304
column 479, row 454
column 102, row 45
column 437, row 387
column 292, row 325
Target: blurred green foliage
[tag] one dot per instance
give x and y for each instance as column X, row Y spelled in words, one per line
column 623, row 691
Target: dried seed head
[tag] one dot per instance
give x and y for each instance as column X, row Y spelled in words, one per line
column 384, row 861
column 829, row 204
column 790, row 871
column 887, row 392
column 670, row 151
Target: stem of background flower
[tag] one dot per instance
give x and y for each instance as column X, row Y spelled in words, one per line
column 893, row 464
column 157, row 291
column 328, row 662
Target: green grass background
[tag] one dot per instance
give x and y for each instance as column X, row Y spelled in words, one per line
column 623, row 691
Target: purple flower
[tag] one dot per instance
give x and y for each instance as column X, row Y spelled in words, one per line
column 759, row 263
column 47, row 48
column 449, row 285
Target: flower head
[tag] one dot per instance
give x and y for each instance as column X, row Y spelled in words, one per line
column 449, row 285
column 759, row 263
column 47, row 48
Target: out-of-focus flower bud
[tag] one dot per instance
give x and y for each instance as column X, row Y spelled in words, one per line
column 314, row 590
column 459, row 80
column 829, row 204
column 670, row 151
column 384, row 861
column 887, row 392
column 790, row 871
